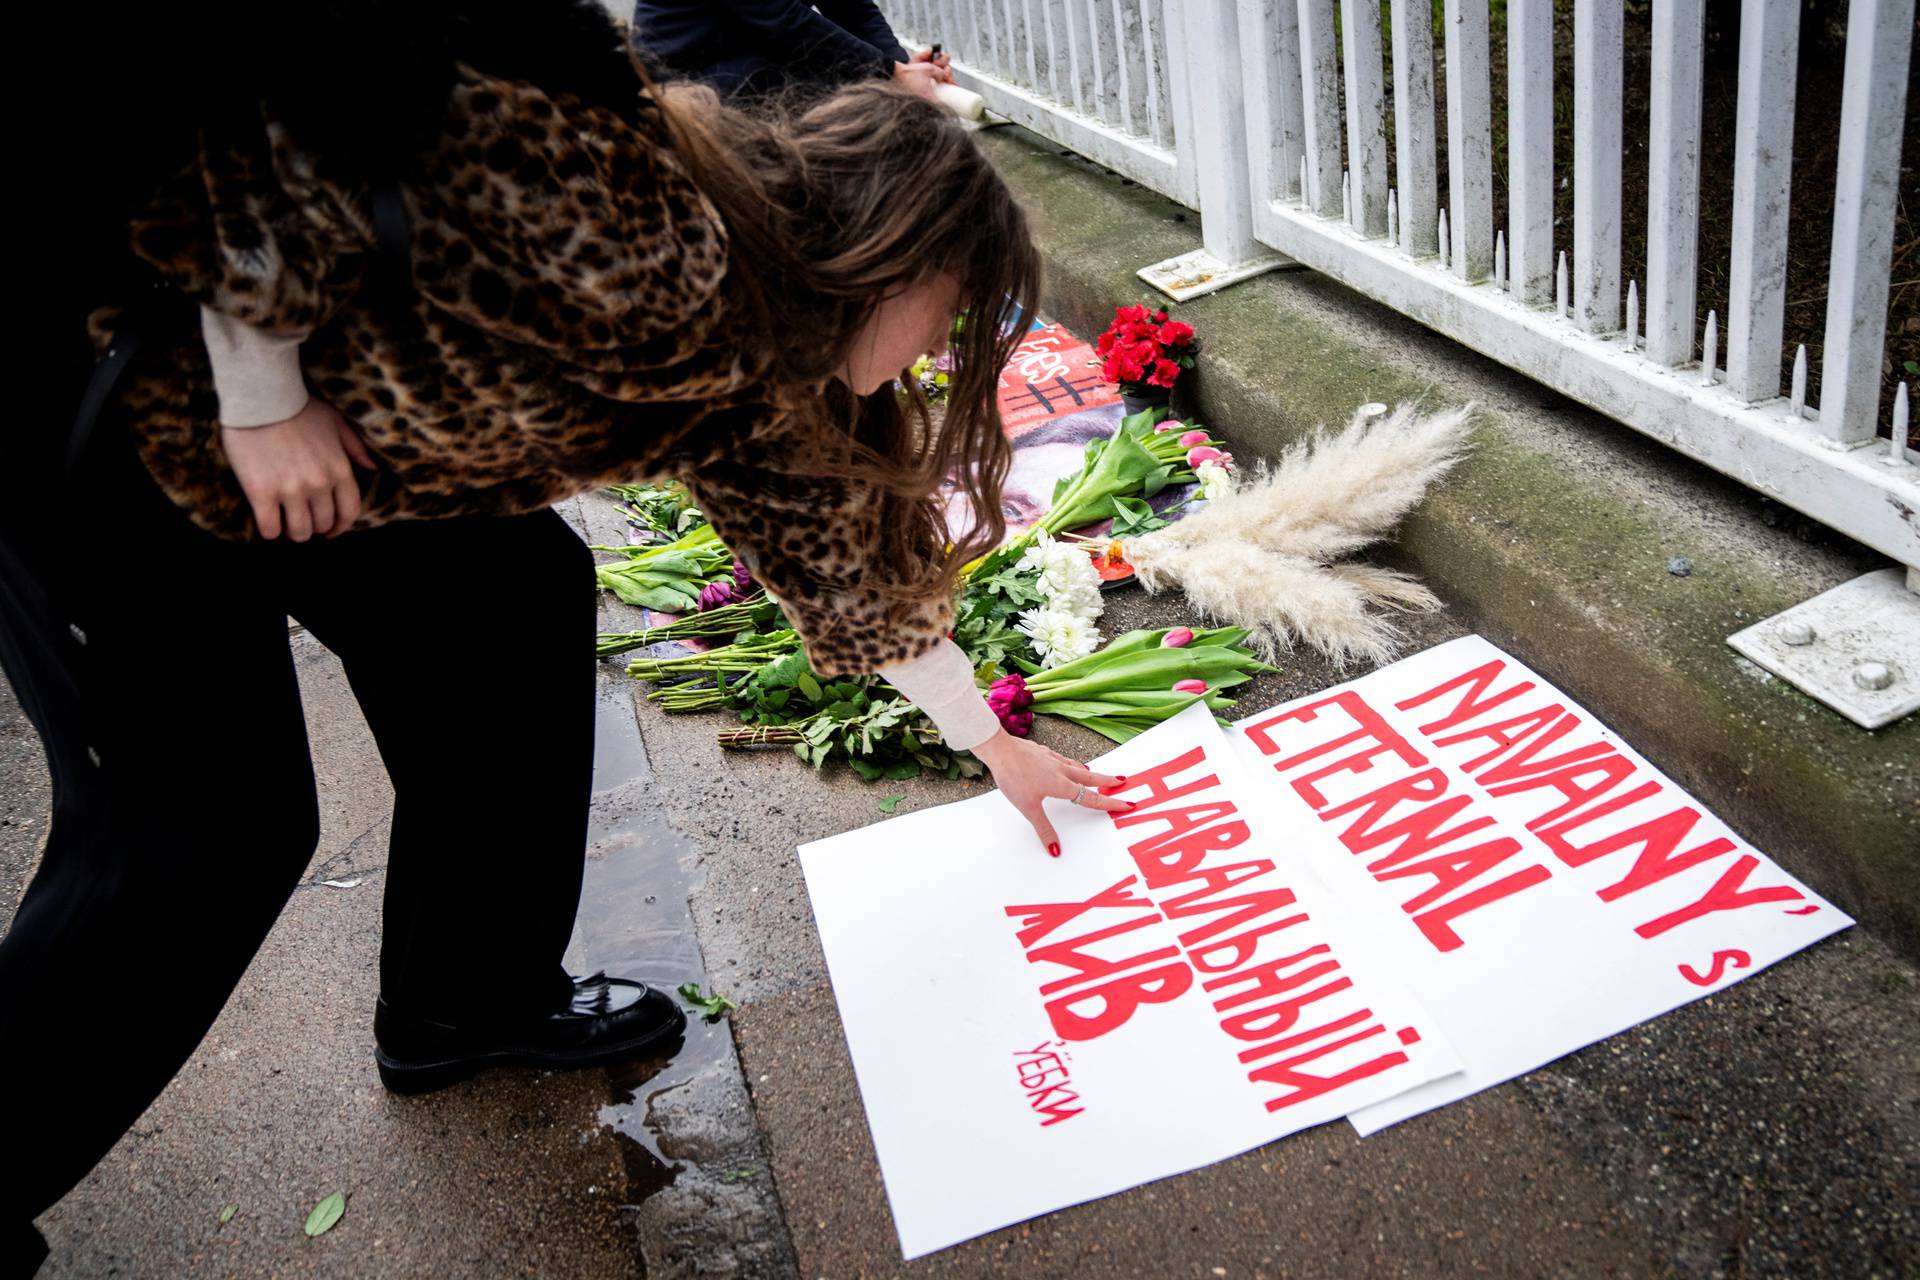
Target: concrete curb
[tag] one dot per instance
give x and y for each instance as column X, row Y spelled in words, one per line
column 1554, row 539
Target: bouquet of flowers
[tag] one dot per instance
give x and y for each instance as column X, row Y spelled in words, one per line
column 693, row 572
column 1144, row 352
column 933, row 374
column 1141, row 679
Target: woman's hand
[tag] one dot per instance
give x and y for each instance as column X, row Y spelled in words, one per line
column 940, row 60
column 298, row 474
column 1029, row 773
column 921, row 77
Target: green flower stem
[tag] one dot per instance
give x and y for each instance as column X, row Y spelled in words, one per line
column 727, row 620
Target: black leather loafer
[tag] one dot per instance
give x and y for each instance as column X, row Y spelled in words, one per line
column 608, row 1019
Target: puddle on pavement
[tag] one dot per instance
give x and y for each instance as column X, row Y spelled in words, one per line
column 634, row 922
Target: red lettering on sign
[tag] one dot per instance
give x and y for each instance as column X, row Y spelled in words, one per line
column 1213, row 880
column 1450, row 871
column 1722, row 961
column 1371, row 727
column 1303, row 1086
column 1157, row 779
column 1114, row 1002
column 1505, row 733
column 1038, row 919
column 1072, row 954
column 1245, row 909
column 1725, row 895
column 1239, row 949
column 1268, row 979
column 1658, row 840
column 1170, row 859
column 1475, row 684
column 1436, row 924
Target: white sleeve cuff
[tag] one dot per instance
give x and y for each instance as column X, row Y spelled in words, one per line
column 940, row 683
column 256, row 375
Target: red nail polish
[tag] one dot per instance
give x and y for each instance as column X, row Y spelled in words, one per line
column 1131, row 807
column 1054, row 849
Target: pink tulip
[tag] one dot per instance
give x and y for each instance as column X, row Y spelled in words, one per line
column 1203, row 453
column 1193, row 438
column 1171, row 424
column 1190, row 686
column 715, row 594
column 1178, row 638
column 742, row 579
column 1009, row 700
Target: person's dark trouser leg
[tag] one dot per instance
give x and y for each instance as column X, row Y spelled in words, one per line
column 469, row 645
column 168, row 860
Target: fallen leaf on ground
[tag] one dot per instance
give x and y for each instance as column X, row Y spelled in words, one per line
column 325, row 1214
column 712, row 1006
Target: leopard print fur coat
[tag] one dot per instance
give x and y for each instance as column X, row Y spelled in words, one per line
column 565, row 330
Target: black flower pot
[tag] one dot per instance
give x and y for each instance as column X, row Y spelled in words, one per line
column 1160, row 398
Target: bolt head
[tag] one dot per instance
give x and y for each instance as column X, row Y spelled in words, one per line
column 1873, row 675
column 1797, row 633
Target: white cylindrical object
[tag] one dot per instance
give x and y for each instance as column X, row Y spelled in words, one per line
column 964, row 103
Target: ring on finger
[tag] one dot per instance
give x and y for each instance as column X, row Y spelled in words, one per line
column 1080, row 793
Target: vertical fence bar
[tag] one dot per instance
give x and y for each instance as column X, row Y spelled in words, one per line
column 1013, row 40
column 1270, row 74
column 1469, row 139
column 967, row 31
column 1051, row 53
column 1762, row 185
column 1153, row 18
column 1032, row 48
column 1106, row 64
column 1217, row 137
column 1415, row 155
column 1598, row 55
column 1132, row 66
column 1072, row 18
column 1320, row 103
column 1673, row 179
column 1366, row 116
column 1530, row 150
column 1867, row 189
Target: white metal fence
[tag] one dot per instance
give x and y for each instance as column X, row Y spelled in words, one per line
column 1271, row 119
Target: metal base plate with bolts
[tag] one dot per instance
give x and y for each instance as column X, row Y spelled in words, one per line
column 1856, row 648
column 1193, row 274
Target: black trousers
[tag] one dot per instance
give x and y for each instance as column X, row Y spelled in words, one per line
column 153, row 659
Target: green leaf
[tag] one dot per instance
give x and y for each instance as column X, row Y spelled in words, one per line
column 867, row 769
column 226, row 1214
column 712, row 1006
column 892, row 802
column 325, row 1214
column 1156, row 481
column 902, row 770
column 808, row 686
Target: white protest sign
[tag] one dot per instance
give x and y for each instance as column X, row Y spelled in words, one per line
column 1538, row 885
column 1032, row 1032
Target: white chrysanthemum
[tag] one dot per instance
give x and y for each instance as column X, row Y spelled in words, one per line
column 1068, row 580
column 1059, row 636
column 1215, row 479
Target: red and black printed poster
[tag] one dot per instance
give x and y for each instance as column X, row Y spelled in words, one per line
column 1031, row 1032
column 1536, row 883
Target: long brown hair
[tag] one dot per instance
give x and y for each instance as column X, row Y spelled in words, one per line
column 830, row 209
